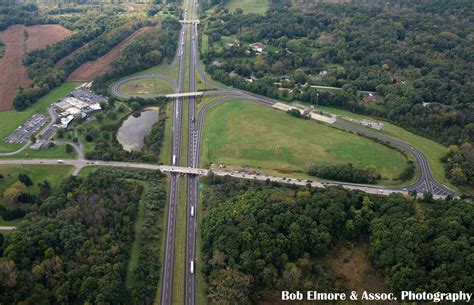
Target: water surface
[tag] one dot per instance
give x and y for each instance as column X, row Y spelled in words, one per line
column 134, row 129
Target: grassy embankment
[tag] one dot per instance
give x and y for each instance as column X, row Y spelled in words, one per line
column 180, row 266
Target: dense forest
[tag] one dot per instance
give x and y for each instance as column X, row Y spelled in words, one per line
column 459, row 164
column 75, row 249
column 26, row 14
column 416, row 56
column 259, row 238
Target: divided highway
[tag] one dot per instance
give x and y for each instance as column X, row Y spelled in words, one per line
column 425, row 182
column 192, row 180
column 167, row 282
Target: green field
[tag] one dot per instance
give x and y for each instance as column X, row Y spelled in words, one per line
column 248, row 134
column 56, row 152
column 180, row 266
column 55, row 174
column 145, row 87
column 249, row 6
column 432, row 150
column 135, row 251
column 12, row 119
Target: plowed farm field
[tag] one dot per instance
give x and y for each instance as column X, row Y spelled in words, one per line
column 91, row 69
column 13, row 73
column 41, row 36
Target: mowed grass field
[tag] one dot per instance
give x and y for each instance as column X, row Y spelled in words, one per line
column 249, row 6
column 144, row 87
column 10, row 120
column 432, row 150
column 247, row 134
column 55, row 174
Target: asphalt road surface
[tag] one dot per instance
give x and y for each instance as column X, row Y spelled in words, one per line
column 167, row 283
column 192, row 180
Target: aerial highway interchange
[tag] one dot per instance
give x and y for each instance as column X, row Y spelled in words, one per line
column 190, row 168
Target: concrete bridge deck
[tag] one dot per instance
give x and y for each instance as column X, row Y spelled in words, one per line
column 185, row 94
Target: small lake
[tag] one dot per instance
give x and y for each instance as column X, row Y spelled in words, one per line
column 135, row 128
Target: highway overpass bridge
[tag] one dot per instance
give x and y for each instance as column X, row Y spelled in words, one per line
column 185, row 94
column 194, row 21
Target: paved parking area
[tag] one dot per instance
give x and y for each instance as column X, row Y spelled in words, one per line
column 23, row 133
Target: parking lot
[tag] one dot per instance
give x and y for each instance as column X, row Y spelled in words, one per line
column 23, row 133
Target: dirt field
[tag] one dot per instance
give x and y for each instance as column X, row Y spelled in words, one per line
column 13, row 73
column 41, row 36
column 92, row 69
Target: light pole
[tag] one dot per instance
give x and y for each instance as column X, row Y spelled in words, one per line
column 208, row 151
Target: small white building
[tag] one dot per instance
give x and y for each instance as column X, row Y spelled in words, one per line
column 66, row 120
column 257, row 47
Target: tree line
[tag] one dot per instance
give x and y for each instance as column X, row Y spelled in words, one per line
column 345, row 172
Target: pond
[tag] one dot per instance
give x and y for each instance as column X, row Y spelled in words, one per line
column 135, row 128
